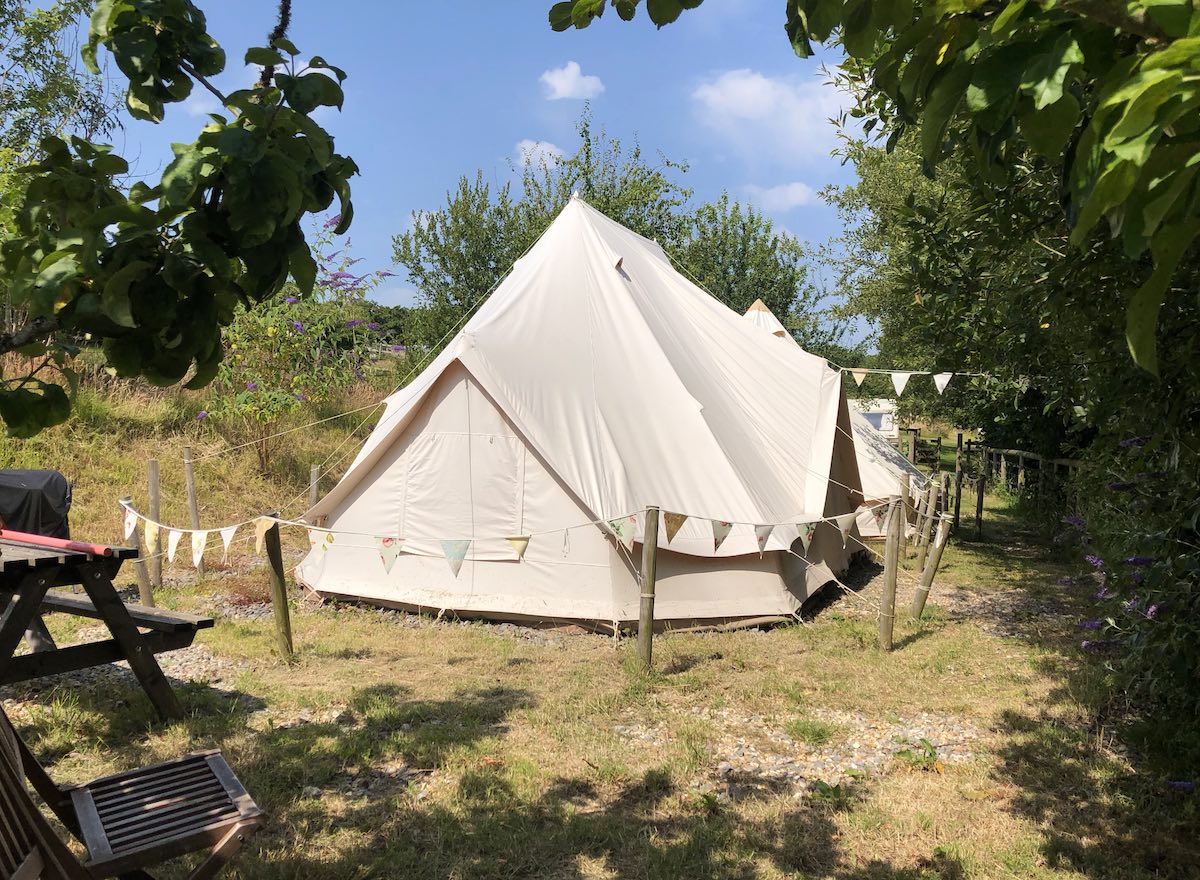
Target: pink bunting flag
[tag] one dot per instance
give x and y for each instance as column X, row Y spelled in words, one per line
column 389, row 549
column 455, row 552
column 762, row 534
column 845, row 523
column 130, row 522
column 721, row 531
column 807, row 530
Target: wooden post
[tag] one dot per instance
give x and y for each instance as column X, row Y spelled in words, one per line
column 958, row 478
column 189, row 477
column 891, row 563
column 979, row 488
column 314, row 485
column 931, row 500
column 279, row 600
column 649, row 571
column 930, row 570
column 145, row 593
column 156, row 515
column 944, row 497
column 1003, row 468
column 912, row 445
column 937, row 460
column 1020, row 472
column 905, row 492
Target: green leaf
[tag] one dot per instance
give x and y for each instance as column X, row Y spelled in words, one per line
column 1173, row 16
column 182, row 176
column 264, row 56
column 626, row 9
column 285, row 45
column 319, row 63
column 1049, row 130
column 1045, row 77
column 1006, row 22
column 305, row 94
column 1141, row 319
column 560, row 15
column 115, row 299
column 663, row 12
column 303, row 267
column 943, row 102
column 26, row 412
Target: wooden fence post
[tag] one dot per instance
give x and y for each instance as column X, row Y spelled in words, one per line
column 937, row 456
column 155, row 515
column 912, row 444
column 958, row 478
column 145, row 593
column 1020, row 472
column 931, row 500
column 314, row 485
column 1003, row 469
column 930, row 570
column 279, row 600
column 905, row 492
column 189, row 477
column 980, row 485
column 649, row 572
column 891, row 562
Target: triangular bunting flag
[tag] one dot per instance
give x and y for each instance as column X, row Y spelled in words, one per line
column 806, row 533
column 226, row 540
column 173, row 537
column 858, row 375
column 720, row 533
column 878, row 512
column 625, row 527
column 130, row 522
column 941, row 380
column 389, row 549
column 845, row 523
column 199, row 541
column 151, row 537
column 261, row 525
column 520, row 543
column 674, row 522
column 762, row 534
column 899, row 381
column 455, row 552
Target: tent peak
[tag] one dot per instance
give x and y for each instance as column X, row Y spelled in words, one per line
column 758, row 306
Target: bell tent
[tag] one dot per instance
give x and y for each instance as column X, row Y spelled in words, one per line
column 880, row 464
column 510, row 479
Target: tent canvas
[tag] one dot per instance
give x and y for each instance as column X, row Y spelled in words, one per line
column 594, row 382
column 880, row 464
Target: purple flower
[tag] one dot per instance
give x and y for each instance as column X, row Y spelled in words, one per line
column 291, row 300
column 251, row 386
column 1152, row 612
column 1181, row 785
column 297, row 326
column 1104, row 593
column 342, row 275
column 1140, row 560
column 1075, row 521
column 332, row 221
column 328, row 257
column 1094, row 561
column 302, row 397
column 1119, row 487
column 355, row 323
column 1132, row 604
column 385, row 274
column 1133, row 441
column 1138, row 577
column 399, row 348
column 1065, row 582
column 202, row 415
column 1098, row 645
column 373, row 326
column 1090, row 624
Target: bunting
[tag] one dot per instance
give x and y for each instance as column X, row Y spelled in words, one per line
column 674, row 522
column 173, row 537
column 389, row 549
column 941, row 380
column 455, row 552
column 130, row 523
column 261, row 525
column 762, row 534
column 721, row 531
column 858, row 375
column 899, row 382
column 806, row 534
column 877, row 512
column 199, row 540
column 624, row 527
column 151, row 537
column 520, row 543
column 845, row 523
column 227, row 534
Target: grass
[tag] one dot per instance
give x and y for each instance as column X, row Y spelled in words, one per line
column 454, row 750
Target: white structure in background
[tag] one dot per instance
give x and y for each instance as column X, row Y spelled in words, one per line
column 881, row 413
column 880, row 464
column 594, row 382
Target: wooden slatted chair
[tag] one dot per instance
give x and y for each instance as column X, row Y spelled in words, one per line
column 127, row 822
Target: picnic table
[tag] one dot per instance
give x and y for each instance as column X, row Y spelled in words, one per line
column 31, row 566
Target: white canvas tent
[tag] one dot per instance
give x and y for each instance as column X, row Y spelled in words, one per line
column 880, row 464
column 594, row 382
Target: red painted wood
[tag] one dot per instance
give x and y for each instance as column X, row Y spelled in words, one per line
column 56, row 543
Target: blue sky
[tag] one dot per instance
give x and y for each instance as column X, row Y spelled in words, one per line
column 440, row 89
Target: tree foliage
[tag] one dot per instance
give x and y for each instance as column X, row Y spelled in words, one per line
column 1106, row 91
column 157, row 271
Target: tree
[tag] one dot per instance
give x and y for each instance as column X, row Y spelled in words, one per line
column 1108, row 93
column 455, row 256
column 736, row 254
column 156, row 272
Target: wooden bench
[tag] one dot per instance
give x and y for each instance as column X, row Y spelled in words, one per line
column 127, row 821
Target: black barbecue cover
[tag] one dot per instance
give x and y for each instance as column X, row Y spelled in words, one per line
column 36, row 502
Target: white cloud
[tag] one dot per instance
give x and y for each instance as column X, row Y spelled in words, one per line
column 528, row 152
column 783, row 119
column 783, row 197
column 569, row 81
column 200, row 103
